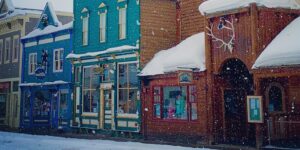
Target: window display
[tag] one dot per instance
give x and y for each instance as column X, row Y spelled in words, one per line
column 90, row 89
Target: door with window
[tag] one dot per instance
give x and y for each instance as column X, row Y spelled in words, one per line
column 107, row 107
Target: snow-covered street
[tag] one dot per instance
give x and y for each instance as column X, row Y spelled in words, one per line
column 16, row 141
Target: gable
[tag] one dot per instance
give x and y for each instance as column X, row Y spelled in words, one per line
column 48, row 17
column 6, row 7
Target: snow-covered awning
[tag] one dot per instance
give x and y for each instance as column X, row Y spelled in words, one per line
column 189, row 54
column 284, row 50
column 59, row 82
column 48, row 30
column 213, row 6
column 107, row 51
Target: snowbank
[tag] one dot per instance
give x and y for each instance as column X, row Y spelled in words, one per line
column 110, row 50
column 189, row 54
column 44, row 83
column 213, row 6
column 47, row 30
column 284, row 50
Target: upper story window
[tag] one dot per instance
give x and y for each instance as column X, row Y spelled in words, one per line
column 102, row 27
column 32, row 63
column 1, row 51
column 85, row 26
column 16, row 48
column 122, row 23
column 7, row 50
column 58, row 60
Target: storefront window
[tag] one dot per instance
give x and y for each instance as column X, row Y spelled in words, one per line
column 26, row 104
column 91, row 93
column 63, row 104
column 174, row 102
column 128, row 88
column 41, row 104
column 157, row 98
column 2, row 105
column 108, row 72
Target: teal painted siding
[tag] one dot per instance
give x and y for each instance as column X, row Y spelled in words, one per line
column 112, row 32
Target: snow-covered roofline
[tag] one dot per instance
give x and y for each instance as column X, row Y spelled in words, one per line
column 48, row 30
column 284, row 50
column 214, row 6
column 59, row 82
column 189, row 54
column 109, row 50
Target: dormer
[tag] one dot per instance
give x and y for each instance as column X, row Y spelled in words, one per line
column 48, row 17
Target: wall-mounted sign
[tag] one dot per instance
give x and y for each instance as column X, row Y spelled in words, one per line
column 185, row 77
column 254, row 109
column 40, row 72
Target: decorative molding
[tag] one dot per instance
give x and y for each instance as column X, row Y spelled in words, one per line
column 227, row 45
column 84, row 10
column 62, row 37
column 29, row 44
column 102, row 5
column 45, row 41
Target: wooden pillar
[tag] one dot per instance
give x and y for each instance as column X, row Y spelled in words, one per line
column 254, row 46
column 209, row 87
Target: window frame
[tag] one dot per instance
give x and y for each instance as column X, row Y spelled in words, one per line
column 85, row 33
column 118, row 88
column 29, row 63
column 16, row 52
column 122, row 22
column 89, row 89
column 188, row 104
column 102, row 29
column 7, row 50
column 283, row 101
column 1, row 50
column 60, row 65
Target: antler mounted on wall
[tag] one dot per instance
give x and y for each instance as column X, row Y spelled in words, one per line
column 227, row 45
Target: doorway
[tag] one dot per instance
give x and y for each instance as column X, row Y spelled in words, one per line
column 236, row 84
column 107, row 107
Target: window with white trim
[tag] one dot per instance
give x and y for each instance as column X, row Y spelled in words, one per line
column 127, row 88
column 58, row 60
column 122, row 23
column 7, row 50
column 85, row 30
column 102, row 27
column 32, row 63
column 16, row 48
column 1, row 51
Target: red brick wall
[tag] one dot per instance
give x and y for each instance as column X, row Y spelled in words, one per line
column 158, row 27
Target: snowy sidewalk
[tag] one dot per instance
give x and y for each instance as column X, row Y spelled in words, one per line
column 17, row 141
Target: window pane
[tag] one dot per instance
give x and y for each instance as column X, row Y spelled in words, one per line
column 108, row 73
column 175, row 102
column 2, row 105
column 123, row 97
column 86, row 101
column 275, row 99
column 63, row 105
column 123, row 75
column 41, row 104
column 157, row 104
column 194, row 111
column 133, row 81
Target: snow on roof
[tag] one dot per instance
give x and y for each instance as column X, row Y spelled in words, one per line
column 213, row 6
column 9, row 5
column 53, row 14
column 44, row 83
column 110, row 50
column 47, row 30
column 189, row 54
column 284, row 50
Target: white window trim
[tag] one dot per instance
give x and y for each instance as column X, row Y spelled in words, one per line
column 105, row 27
column 87, row 40
column 29, row 64
column 18, row 51
column 2, row 50
column 121, row 63
column 119, row 23
column 6, row 61
column 57, row 50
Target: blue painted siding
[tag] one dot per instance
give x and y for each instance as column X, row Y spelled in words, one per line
column 112, row 32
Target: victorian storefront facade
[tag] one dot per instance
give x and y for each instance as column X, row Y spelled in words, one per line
column 46, row 76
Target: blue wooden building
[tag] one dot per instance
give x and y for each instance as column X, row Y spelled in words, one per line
column 46, row 76
column 106, row 62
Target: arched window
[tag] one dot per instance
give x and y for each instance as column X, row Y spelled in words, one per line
column 275, row 96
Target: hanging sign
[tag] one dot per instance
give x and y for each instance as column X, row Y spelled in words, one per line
column 40, row 72
column 185, row 77
column 254, row 109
